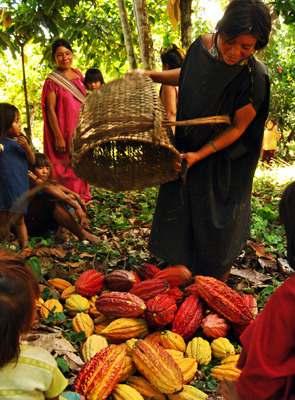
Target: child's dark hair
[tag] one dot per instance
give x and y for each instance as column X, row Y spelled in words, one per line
column 246, row 17
column 41, row 160
column 172, row 57
column 93, row 75
column 18, row 293
column 7, row 116
column 60, row 43
column 287, row 217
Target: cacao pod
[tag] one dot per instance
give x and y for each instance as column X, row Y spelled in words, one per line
column 172, row 340
column 76, row 303
column 92, row 345
column 150, row 288
column 222, row 348
column 67, row 292
column 145, row 388
column 125, row 328
column 120, row 304
column 121, row 280
column 160, row 310
column 128, row 369
column 251, row 302
column 175, row 275
column 100, row 375
column 223, row 300
column 231, row 360
column 50, row 305
column 89, row 283
column 126, row 392
column 188, row 367
column 214, row 326
column 199, row 349
column 175, row 354
column 188, row 317
column 59, row 284
column 83, row 323
column 176, row 293
column 147, row 271
column 226, row 372
column 157, row 366
column 188, row 393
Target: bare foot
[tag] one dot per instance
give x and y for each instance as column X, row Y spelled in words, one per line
column 90, row 237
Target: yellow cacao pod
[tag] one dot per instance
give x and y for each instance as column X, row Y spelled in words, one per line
column 145, row 388
column 83, row 323
column 59, row 284
column 76, row 303
column 188, row 393
column 199, row 349
column 130, row 343
column 222, row 348
column 225, row 372
column 231, row 359
column 125, row 328
column 188, row 367
column 157, row 366
column 175, row 354
column 67, row 292
column 128, row 369
column 51, row 305
column 172, row 340
column 126, row 392
column 92, row 345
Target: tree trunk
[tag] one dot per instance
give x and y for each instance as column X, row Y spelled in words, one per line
column 28, row 130
column 127, row 34
column 186, row 23
column 145, row 41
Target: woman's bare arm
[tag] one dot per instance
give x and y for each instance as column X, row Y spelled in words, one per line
column 242, row 119
column 59, row 141
column 167, row 77
column 169, row 100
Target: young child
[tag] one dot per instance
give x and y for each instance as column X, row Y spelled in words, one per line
column 51, row 207
column 93, row 79
column 15, row 157
column 26, row 372
column 268, row 357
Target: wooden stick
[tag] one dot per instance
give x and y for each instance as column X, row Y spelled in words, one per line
column 217, row 119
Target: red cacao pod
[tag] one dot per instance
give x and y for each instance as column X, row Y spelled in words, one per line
column 176, row 293
column 214, row 326
column 147, row 271
column 120, row 304
column 160, row 310
column 149, row 288
column 251, row 302
column 175, row 275
column 188, row 317
column 89, row 283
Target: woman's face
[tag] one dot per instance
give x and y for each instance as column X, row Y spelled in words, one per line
column 63, row 57
column 235, row 50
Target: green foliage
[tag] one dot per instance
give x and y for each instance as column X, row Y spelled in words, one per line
column 266, row 292
column 62, row 365
column 286, row 8
column 35, row 265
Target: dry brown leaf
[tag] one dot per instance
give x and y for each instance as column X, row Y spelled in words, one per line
column 253, row 276
column 259, row 249
column 86, row 255
column 58, row 252
column 76, row 264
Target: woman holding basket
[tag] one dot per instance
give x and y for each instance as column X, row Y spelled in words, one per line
column 203, row 222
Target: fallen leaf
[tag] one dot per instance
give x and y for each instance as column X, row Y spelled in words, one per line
column 86, row 255
column 268, row 264
column 284, row 267
column 58, row 252
column 259, row 249
column 253, row 276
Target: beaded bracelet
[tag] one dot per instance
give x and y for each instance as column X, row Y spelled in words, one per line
column 212, row 144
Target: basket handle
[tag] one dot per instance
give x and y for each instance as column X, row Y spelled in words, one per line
column 217, row 119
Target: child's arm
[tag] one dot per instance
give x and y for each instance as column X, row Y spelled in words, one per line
column 34, row 180
column 74, row 196
column 23, row 142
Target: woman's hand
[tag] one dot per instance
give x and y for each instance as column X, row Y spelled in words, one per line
column 191, row 158
column 60, row 144
column 228, row 390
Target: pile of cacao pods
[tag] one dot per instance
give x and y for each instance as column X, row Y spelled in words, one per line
column 148, row 331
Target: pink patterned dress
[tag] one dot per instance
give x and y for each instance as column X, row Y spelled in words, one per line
column 67, row 111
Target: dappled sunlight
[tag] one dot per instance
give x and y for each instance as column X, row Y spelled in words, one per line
column 279, row 172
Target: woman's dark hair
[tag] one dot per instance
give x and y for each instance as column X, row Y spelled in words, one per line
column 60, row 43
column 93, row 75
column 246, row 17
column 18, row 293
column 7, row 116
column 172, row 57
column 287, row 217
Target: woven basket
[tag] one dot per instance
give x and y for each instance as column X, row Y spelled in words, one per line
column 123, row 141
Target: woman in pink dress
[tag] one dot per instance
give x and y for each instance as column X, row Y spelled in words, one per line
column 62, row 97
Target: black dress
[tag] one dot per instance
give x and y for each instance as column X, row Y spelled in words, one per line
column 204, row 223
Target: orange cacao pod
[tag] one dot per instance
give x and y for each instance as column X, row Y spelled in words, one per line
column 89, row 283
column 188, row 317
column 175, row 275
column 172, row 340
column 176, row 293
column 157, row 366
column 59, row 283
column 120, row 304
column 145, row 388
column 214, row 326
column 160, row 310
column 99, row 376
column 121, row 280
column 150, row 288
column 251, row 302
column 223, row 300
